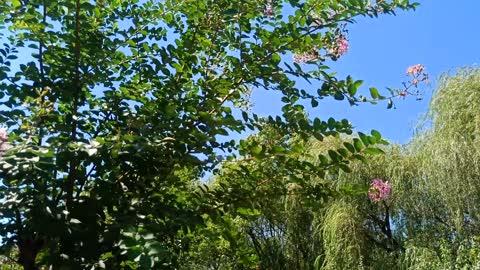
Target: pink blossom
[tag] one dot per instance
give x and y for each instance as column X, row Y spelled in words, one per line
column 379, row 190
column 4, row 147
column 415, row 70
column 268, row 12
column 306, row 57
column 340, row 47
column 3, row 135
column 3, row 140
column 342, row 44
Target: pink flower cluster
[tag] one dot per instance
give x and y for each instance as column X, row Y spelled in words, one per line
column 3, row 140
column 418, row 74
column 342, row 46
column 379, row 190
column 415, row 70
column 3, row 135
column 339, row 48
column 307, row 57
column 269, row 12
column 335, row 51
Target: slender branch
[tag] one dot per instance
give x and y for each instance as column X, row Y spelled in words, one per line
column 256, row 243
column 42, row 68
column 99, row 129
column 72, row 174
column 86, row 179
column 284, row 46
column 225, row 98
column 10, row 258
column 18, row 221
column 388, row 229
column 41, row 46
column 439, row 219
column 379, row 243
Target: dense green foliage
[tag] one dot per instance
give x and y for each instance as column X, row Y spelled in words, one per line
column 433, row 209
column 428, row 221
column 115, row 109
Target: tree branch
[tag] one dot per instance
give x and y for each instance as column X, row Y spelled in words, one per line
column 72, row 174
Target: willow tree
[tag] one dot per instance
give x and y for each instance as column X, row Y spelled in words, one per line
column 446, row 182
column 429, row 220
column 115, row 108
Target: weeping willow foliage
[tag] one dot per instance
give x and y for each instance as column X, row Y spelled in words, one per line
column 447, row 157
column 431, row 220
column 434, row 207
column 303, row 242
column 352, row 226
column 342, row 237
column 449, row 152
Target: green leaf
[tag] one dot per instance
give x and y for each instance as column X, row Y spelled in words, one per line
column 350, row 147
column 353, row 87
column 358, row 144
column 334, row 156
column 245, row 116
column 345, row 168
column 374, row 93
column 360, row 157
column 323, row 159
column 331, row 123
column 16, row 3
column 358, row 83
column 132, row 43
column 376, row 134
column 222, row 131
column 247, row 212
column 390, row 104
column 352, row 90
column 338, row 96
column 156, row 248
column 364, row 138
column 373, row 151
column 145, row 46
column 276, row 58
column 257, row 149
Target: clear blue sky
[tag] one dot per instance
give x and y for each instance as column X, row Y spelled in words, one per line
column 440, row 34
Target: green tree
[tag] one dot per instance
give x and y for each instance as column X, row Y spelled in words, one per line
column 430, row 218
column 117, row 108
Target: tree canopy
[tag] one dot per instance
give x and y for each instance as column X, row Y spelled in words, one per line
column 113, row 111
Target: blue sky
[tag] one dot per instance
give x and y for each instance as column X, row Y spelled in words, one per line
column 440, row 34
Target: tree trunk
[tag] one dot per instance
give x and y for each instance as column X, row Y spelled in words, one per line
column 28, row 250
